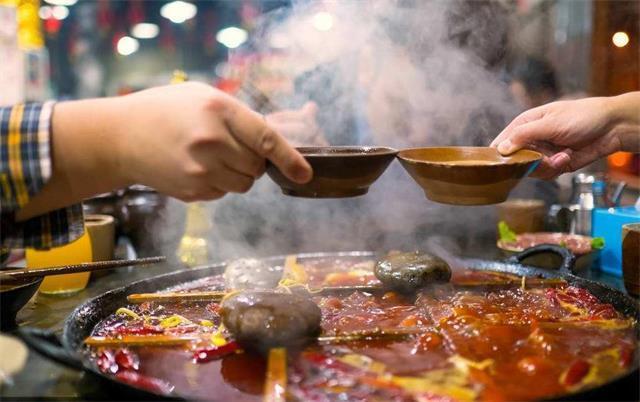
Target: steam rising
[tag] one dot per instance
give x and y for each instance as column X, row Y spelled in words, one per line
column 393, row 73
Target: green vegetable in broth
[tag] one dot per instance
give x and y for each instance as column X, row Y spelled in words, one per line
column 597, row 243
column 506, row 234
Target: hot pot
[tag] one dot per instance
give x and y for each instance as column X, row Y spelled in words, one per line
column 85, row 317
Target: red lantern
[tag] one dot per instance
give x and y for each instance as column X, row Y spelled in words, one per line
column 104, row 16
column 52, row 26
column 136, row 13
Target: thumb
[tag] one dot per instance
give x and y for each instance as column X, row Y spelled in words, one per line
column 519, row 137
column 310, row 109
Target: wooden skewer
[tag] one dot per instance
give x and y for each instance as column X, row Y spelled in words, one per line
column 170, row 297
column 381, row 334
column 172, row 340
column 21, row 274
column 141, row 340
column 262, row 101
column 530, row 282
column 275, row 385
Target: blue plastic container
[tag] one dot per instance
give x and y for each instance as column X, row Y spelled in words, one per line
column 607, row 223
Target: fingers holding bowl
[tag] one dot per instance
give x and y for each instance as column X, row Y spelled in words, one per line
column 251, row 129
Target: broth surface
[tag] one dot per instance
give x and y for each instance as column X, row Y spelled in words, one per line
column 485, row 336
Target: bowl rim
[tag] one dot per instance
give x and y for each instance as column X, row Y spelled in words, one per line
column 502, row 246
column 535, row 157
column 23, row 285
column 369, row 150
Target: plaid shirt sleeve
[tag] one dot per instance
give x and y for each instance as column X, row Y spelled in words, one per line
column 25, row 167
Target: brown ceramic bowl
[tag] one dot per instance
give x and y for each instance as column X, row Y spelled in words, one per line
column 467, row 175
column 338, row 172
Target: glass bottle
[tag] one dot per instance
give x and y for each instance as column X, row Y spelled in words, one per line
column 194, row 245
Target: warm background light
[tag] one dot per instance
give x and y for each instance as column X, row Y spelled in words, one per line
column 178, row 11
column 323, row 21
column 127, row 45
column 145, row 30
column 232, row 37
column 56, row 12
column 61, row 2
column 620, row 159
column 60, row 12
column 620, row 39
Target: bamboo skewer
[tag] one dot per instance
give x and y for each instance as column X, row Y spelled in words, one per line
column 381, row 334
column 275, row 385
column 169, row 297
column 262, row 102
column 142, row 340
column 21, row 274
column 530, row 282
column 172, row 340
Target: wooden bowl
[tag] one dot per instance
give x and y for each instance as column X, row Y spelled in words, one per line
column 338, row 172
column 467, row 175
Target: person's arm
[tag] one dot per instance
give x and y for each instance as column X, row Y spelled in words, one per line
column 25, row 167
column 572, row 134
column 188, row 141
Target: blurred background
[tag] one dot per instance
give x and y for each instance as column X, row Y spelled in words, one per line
column 76, row 49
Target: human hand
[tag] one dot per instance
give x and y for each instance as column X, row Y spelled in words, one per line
column 189, row 141
column 570, row 134
column 298, row 126
column 193, row 142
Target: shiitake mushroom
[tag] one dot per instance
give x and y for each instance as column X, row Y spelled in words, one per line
column 408, row 272
column 262, row 320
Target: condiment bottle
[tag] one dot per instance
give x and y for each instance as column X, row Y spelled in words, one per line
column 194, row 244
column 193, row 249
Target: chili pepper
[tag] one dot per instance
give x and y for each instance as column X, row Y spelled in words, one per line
column 213, row 307
column 552, row 295
column 139, row 330
column 106, row 362
column 601, row 311
column 113, row 362
column 210, row 353
column 149, row 383
column 581, row 294
column 182, row 329
column 575, row 373
column 626, row 356
column 127, row 360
